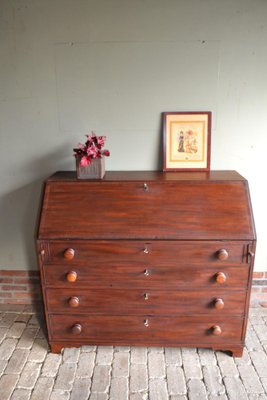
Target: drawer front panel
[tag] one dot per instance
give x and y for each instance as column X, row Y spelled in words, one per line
column 135, row 329
column 139, row 302
column 138, row 275
column 159, row 252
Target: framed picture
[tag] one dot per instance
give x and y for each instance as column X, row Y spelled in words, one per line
column 186, row 141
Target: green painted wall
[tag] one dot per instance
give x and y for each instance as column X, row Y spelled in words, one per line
column 70, row 66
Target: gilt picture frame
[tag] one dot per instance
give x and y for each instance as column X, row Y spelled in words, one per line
column 186, row 141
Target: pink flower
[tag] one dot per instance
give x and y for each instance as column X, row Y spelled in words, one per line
column 101, row 140
column 92, row 138
column 91, row 150
column 81, row 146
column 85, row 161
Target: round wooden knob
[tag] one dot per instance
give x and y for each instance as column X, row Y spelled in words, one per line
column 216, row 330
column 71, row 276
column 220, row 277
column 74, row 301
column 76, row 329
column 222, row 254
column 219, row 304
column 69, row 254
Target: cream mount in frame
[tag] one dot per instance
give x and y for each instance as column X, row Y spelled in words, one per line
column 186, row 141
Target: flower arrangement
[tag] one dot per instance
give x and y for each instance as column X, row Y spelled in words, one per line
column 91, row 150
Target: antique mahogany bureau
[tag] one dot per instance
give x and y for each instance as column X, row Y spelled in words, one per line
column 147, row 258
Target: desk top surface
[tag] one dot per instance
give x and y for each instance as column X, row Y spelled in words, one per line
column 152, row 176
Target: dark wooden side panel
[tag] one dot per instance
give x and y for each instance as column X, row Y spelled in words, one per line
column 166, row 210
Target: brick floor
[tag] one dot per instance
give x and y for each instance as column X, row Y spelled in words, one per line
column 29, row 371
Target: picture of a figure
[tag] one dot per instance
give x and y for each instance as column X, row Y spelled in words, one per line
column 187, row 142
column 190, row 142
column 181, row 142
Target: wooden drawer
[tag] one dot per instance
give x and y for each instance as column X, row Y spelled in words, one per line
column 143, row 275
column 158, row 252
column 146, row 330
column 139, row 302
